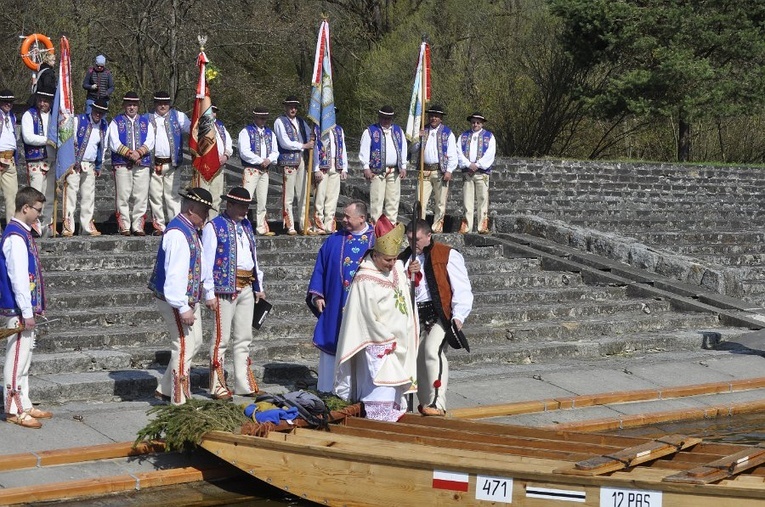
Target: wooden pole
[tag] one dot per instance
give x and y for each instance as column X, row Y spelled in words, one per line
column 309, row 171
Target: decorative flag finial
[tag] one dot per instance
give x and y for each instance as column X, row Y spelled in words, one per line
column 202, row 41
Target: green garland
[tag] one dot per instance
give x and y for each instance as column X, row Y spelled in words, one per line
column 182, row 426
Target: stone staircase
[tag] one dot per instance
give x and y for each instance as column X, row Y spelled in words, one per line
column 109, row 341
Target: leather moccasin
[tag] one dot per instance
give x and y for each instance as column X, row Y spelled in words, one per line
column 40, row 414
column 24, row 420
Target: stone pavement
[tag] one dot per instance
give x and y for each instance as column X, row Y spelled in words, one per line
column 78, row 424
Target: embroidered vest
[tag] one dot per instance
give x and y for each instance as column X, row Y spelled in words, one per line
column 8, row 305
column 377, row 146
column 325, row 154
column 442, row 145
column 82, row 136
column 132, row 135
column 194, row 287
column 255, row 140
column 174, row 133
column 12, row 121
column 224, row 269
column 221, row 132
column 483, row 145
column 292, row 157
column 34, row 153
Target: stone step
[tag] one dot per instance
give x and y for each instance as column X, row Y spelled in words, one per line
column 569, row 295
column 499, row 316
column 619, row 345
column 576, row 329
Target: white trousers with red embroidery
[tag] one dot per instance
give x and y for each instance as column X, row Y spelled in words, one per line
column 185, row 342
column 18, row 357
column 233, row 323
column 432, row 368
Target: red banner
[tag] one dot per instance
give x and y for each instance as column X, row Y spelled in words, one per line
column 202, row 141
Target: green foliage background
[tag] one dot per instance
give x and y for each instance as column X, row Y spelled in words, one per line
column 563, row 78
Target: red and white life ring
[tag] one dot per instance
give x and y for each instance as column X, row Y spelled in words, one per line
column 34, row 48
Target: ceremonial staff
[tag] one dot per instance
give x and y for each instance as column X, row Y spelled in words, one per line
column 425, row 98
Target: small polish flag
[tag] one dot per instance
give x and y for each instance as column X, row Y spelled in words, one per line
column 450, row 480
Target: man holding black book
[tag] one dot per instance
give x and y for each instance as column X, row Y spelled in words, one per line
column 228, row 245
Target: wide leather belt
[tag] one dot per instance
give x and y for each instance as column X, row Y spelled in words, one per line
column 160, row 160
column 244, row 278
column 432, row 167
column 6, row 154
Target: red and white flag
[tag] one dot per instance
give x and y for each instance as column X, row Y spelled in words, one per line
column 453, row 481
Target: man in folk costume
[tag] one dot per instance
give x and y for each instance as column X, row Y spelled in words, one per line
column 9, row 181
column 258, row 150
column 443, row 294
column 336, row 265
column 440, row 161
column 22, row 297
column 383, row 157
column 225, row 146
column 181, row 281
column 131, row 142
column 477, row 150
column 377, row 348
column 40, row 155
column 89, row 145
column 168, row 126
column 228, row 243
column 329, row 169
column 294, row 138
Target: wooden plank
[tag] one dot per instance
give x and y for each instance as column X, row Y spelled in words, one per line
column 105, row 485
column 724, row 468
column 77, row 455
column 467, row 436
column 609, row 398
column 631, row 421
column 444, row 441
column 632, row 456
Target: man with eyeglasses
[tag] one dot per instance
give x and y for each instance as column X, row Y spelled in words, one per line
column 181, row 282
column 9, row 182
column 228, row 243
column 476, row 154
column 98, row 82
column 22, row 299
column 89, row 145
column 131, row 143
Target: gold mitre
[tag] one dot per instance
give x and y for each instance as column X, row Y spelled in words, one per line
column 388, row 239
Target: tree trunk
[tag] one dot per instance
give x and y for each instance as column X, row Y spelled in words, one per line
column 683, row 138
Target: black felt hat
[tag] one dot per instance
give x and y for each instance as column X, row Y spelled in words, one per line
column 7, row 96
column 477, row 116
column 197, row 194
column 291, row 100
column 238, row 194
column 436, row 109
column 100, row 106
column 386, row 111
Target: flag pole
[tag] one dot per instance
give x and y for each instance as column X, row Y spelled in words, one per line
column 422, row 127
column 308, row 178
